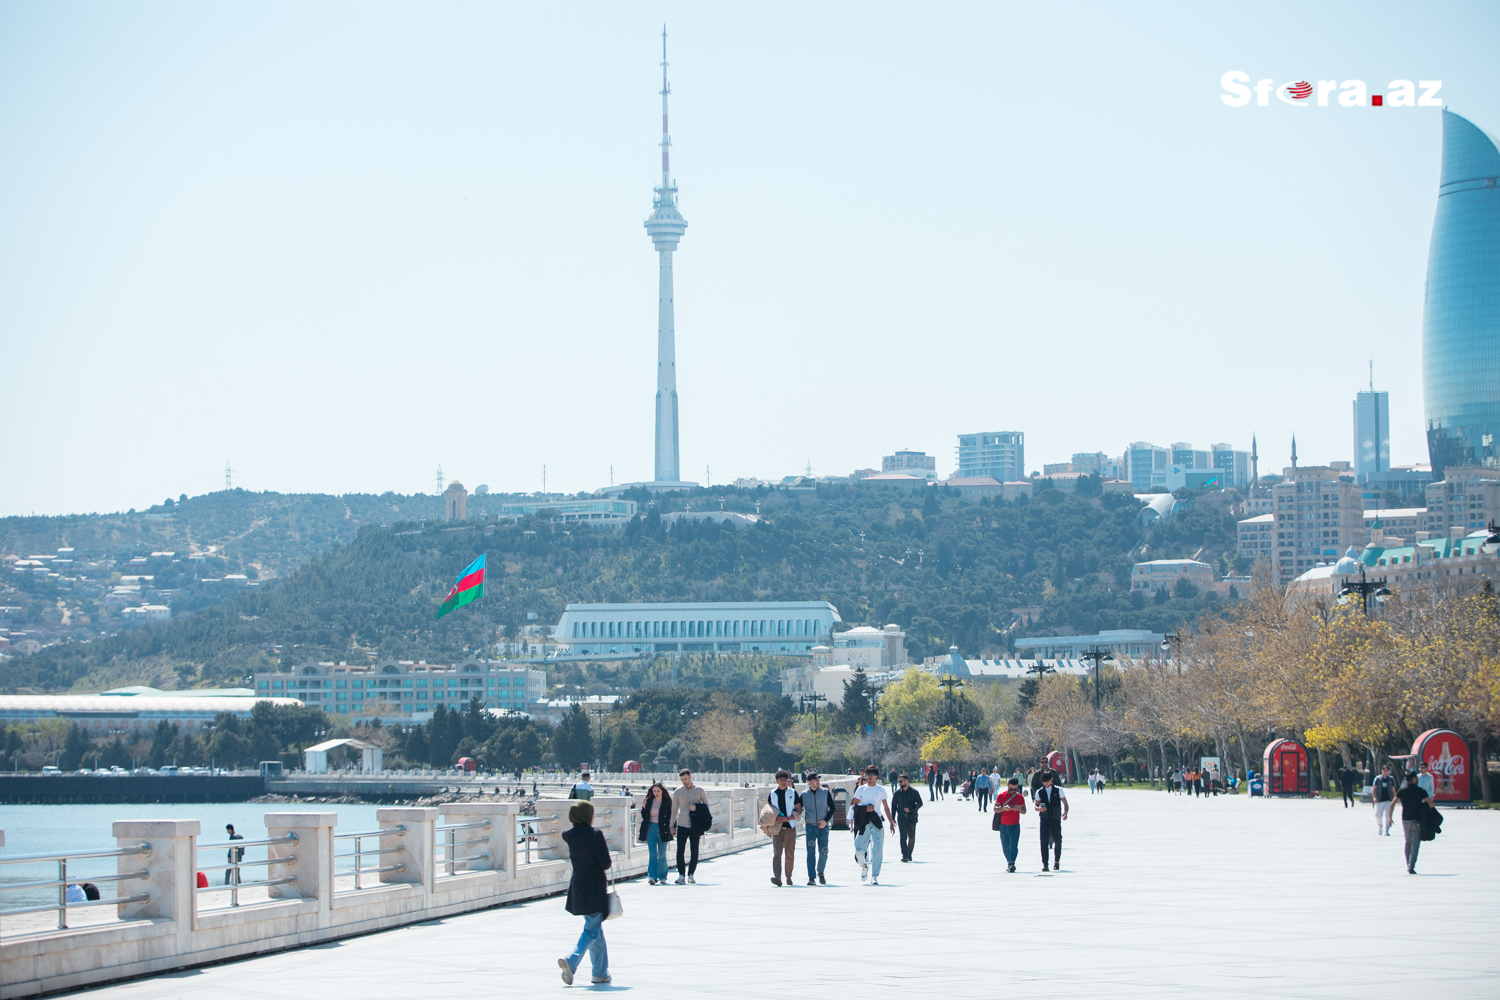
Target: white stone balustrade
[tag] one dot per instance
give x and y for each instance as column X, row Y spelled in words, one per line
column 166, row 932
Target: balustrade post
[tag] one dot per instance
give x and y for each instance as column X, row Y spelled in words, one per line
column 418, row 841
column 550, row 844
column 172, row 868
column 615, row 826
column 498, row 840
column 313, row 850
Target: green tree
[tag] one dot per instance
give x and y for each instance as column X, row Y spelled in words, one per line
column 74, row 747
column 444, row 730
column 856, row 712
column 947, row 746
column 626, row 745
column 573, row 741
column 1184, row 589
column 906, row 706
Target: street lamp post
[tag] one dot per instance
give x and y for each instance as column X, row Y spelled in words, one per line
column 1365, row 588
column 1096, row 654
column 950, row 684
column 813, row 699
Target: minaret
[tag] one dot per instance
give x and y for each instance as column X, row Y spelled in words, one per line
column 1254, row 465
column 1294, row 451
column 665, row 227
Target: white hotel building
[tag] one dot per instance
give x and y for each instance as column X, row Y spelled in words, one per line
column 717, row 627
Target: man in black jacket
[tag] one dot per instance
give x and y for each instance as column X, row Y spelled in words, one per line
column 906, row 803
column 1052, row 809
column 1347, row 777
column 588, row 892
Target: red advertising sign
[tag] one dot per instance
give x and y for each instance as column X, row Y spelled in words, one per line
column 1446, row 755
column 1058, row 761
column 1285, row 763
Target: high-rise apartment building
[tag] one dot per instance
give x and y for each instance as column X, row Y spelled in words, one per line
column 1461, row 311
column 1318, row 516
column 1001, row 455
column 1146, row 465
column 1372, row 434
column 913, row 463
column 1468, row 498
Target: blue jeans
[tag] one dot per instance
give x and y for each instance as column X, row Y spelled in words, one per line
column 592, row 941
column 817, row 850
column 1010, row 841
column 656, row 866
column 871, row 845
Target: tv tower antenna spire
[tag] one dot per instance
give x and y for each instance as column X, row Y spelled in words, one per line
column 665, row 227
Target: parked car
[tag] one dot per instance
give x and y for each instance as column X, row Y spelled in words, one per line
column 49, row 769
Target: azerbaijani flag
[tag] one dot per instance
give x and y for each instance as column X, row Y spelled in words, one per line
column 468, row 586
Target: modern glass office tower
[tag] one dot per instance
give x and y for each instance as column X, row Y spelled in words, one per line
column 1461, row 315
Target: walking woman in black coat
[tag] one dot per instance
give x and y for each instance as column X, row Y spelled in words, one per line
column 587, row 892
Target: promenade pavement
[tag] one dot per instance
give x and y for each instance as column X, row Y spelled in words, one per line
column 1160, row 896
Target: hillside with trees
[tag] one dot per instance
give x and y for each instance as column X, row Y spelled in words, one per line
column 946, row 568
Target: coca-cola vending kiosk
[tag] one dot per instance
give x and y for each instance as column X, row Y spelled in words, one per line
column 1446, row 755
column 1060, row 762
column 1285, row 766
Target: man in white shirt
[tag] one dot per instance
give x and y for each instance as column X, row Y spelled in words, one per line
column 869, row 834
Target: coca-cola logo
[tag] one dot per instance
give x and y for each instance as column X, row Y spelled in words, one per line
column 1447, row 758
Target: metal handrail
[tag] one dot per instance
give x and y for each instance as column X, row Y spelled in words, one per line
column 62, row 881
column 141, row 898
column 461, row 843
column 234, row 888
column 288, row 860
column 388, row 831
column 18, row 859
column 290, row 838
column 374, row 850
column 463, row 826
column 54, row 883
column 399, row 830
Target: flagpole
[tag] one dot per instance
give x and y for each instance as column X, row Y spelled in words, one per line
column 486, row 620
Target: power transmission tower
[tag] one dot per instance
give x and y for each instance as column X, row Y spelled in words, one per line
column 228, row 475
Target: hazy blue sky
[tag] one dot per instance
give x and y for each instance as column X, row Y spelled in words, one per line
column 339, row 244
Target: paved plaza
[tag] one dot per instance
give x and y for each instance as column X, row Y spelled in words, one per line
column 1160, row 896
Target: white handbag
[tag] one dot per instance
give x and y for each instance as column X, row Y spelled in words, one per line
column 616, row 905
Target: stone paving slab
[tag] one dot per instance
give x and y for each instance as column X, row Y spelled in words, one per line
column 1160, row 896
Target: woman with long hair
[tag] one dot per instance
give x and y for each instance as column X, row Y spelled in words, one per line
column 656, row 831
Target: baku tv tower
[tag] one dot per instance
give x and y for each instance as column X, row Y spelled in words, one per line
column 665, row 227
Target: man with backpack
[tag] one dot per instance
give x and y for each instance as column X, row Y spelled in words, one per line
column 581, row 790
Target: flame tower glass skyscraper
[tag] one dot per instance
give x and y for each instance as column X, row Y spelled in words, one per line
column 665, row 227
column 1461, row 314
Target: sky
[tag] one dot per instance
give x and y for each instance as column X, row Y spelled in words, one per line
column 338, row 245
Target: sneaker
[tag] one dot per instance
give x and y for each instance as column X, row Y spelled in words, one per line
column 864, row 873
column 691, row 881
column 1011, row 868
column 821, row 879
column 1411, row 871
column 567, row 971
column 600, row 980
column 775, row 880
column 812, row 881
column 1044, row 867
column 651, row 881
column 680, row 880
column 874, row 880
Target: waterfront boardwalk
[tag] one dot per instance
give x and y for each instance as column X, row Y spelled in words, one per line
column 1160, row 896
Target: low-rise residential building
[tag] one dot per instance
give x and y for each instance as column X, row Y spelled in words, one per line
column 1319, row 513
column 1159, row 574
column 976, row 487
column 1255, row 535
column 403, row 688
column 1467, row 499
